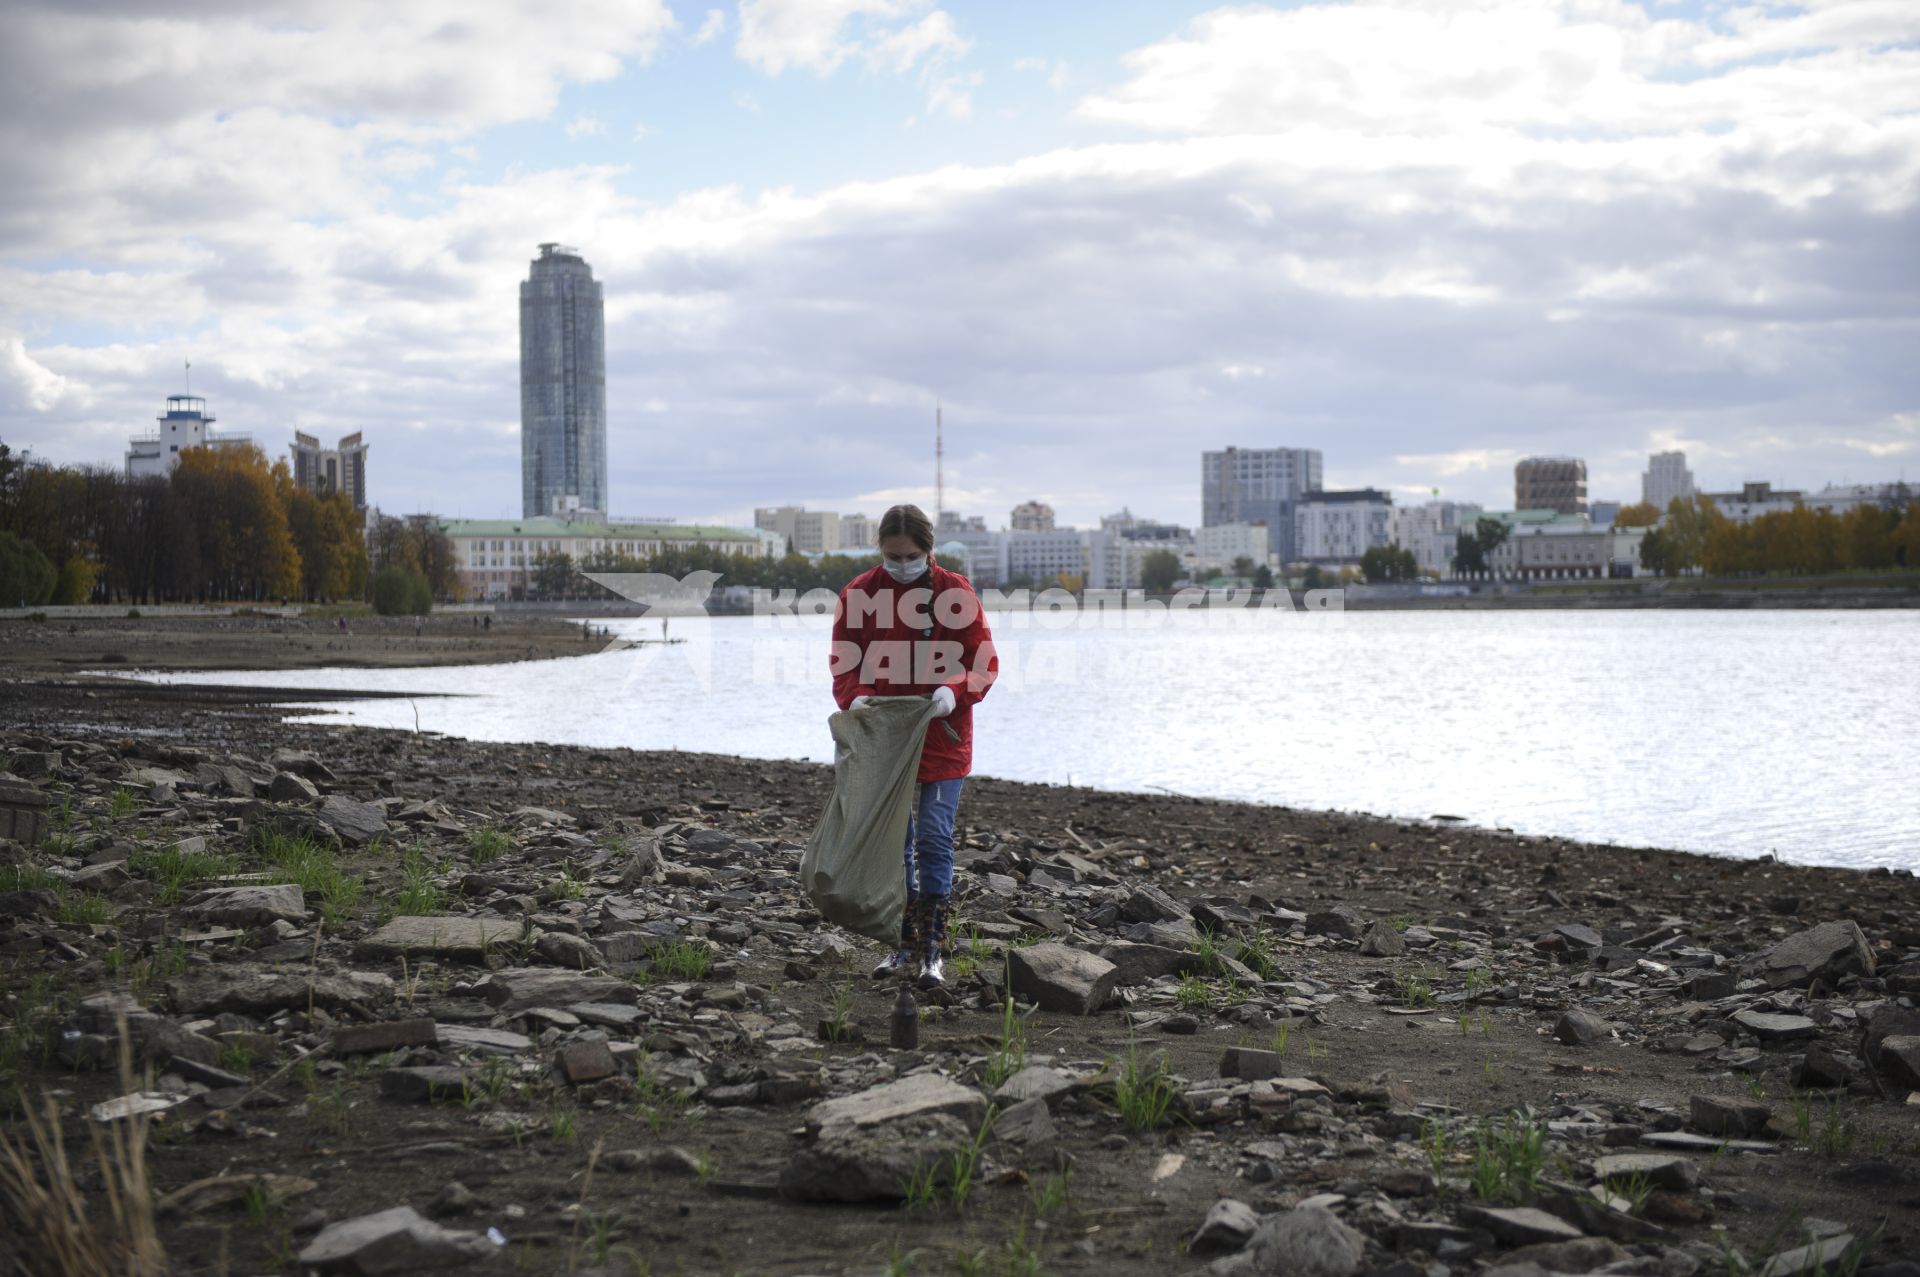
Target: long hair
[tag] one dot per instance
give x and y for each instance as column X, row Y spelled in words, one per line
column 908, row 521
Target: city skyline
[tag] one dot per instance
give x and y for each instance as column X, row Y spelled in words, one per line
column 1102, row 245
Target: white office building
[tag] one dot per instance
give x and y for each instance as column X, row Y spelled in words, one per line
column 811, row 532
column 1431, row 532
column 1667, row 480
column 1219, row 546
column 185, row 424
column 1338, row 527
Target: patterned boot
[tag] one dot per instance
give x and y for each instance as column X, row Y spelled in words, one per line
column 933, row 942
column 898, row 962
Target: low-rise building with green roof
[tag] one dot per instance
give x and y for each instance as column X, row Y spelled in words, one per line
column 496, row 558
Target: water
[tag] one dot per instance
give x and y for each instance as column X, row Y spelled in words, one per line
column 1733, row 733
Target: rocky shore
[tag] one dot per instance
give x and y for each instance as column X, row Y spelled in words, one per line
column 66, row 642
column 406, row 1002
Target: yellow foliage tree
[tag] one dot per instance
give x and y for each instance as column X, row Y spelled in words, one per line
column 233, row 503
column 1641, row 514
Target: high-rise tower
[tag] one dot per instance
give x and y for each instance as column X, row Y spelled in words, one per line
column 563, row 386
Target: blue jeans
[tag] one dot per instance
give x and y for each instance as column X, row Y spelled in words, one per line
column 929, row 849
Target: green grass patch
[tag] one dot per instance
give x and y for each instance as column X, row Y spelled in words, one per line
column 681, row 960
column 1507, row 1159
column 1145, row 1093
column 488, row 843
column 418, row 896
column 173, row 870
column 1009, row 1054
column 317, row 872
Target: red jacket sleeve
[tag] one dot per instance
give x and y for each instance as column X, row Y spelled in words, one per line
column 846, row 672
column 977, row 652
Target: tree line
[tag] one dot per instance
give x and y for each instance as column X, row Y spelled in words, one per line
column 224, row 526
column 1696, row 535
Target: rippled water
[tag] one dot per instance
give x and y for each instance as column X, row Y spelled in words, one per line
column 1737, row 733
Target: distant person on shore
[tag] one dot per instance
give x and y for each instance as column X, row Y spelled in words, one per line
column 909, row 627
column 489, row 625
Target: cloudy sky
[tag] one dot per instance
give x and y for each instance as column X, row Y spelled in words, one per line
column 1427, row 237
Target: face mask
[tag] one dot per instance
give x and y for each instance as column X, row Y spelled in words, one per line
column 907, row 571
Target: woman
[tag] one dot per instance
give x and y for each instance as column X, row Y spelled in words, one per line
column 909, row 627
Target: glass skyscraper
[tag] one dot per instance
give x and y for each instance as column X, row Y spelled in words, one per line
column 563, row 386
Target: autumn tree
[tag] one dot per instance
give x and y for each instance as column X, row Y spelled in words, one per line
column 246, row 547
column 1642, row 514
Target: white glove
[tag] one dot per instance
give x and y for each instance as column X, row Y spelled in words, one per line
column 858, row 701
column 943, row 701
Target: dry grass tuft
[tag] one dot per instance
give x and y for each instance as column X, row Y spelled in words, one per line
column 49, row 1229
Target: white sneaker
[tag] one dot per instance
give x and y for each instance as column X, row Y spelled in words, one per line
column 933, row 972
column 895, row 963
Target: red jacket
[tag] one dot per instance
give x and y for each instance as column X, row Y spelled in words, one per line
column 905, row 640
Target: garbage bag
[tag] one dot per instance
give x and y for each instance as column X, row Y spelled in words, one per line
column 852, row 868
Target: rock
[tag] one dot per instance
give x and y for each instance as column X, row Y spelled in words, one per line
column 862, row 1163
column 217, row 1191
column 393, row 1241
column 661, row 1161
column 1823, row 1255
column 24, row 814
column 356, row 823
column 251, row 990
column 1578, row 936
column 1825, row 952
column 1382, row 941
column 420, row 1083
column 1659, row 1169
column 1060, row 978
column 482, row 1041
column 1688, row 1142
column 1710, row 986
column 1717, row 1116
column 1899, row 1058
column 153, row 1038
column 1775, row 1028
column 1141, row 963
column 35, row 902
column 454, row 1198
column 518, row 990
column 1821, row 1069
column 287, row 787
column 251, row 906
column 1028, row 1124
column 383, row 1035
column 1035, row 1082
column 465, row 938
column 1251, row 1063
column 1582, row 1256
column 1307, row 1241
column 301, row 763
column 1150, row 904
column 588, row 1061
column 568, row 951
column 1520, row 1225
column 914, row 1096
column 1228, row 1225
column 1342, row 922
column 1580, row 1027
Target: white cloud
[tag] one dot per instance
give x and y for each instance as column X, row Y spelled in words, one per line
column 1731, row 273
column 585, row 124
column 712, row 27
column 821, row 35
column 25, row 382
